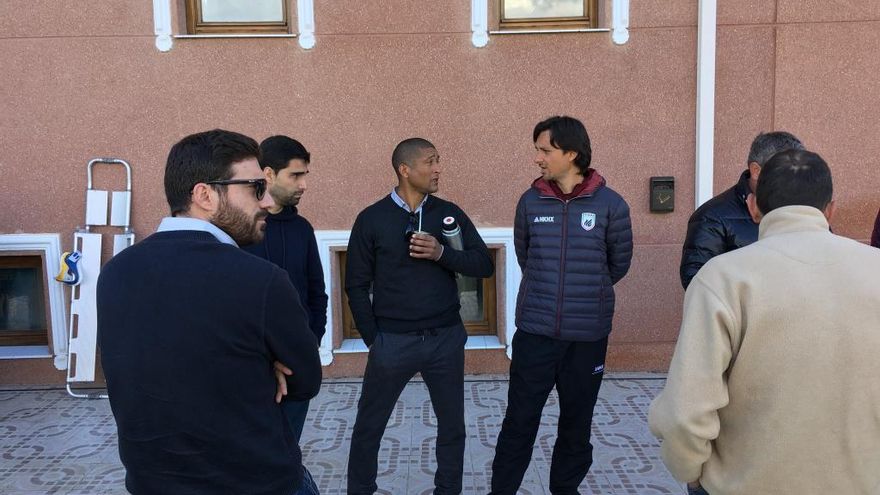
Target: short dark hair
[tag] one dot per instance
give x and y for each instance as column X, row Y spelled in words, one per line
column 277, row 152
column 767, row 144
column 407, row 151
column 568, row 134
column 794, row 177
column 203, row 157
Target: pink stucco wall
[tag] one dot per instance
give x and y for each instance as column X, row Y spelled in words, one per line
column 84, row 79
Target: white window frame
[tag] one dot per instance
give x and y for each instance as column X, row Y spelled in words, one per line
column 50, row 246
column 480, row 24
column 165, row 36
column 328, row 240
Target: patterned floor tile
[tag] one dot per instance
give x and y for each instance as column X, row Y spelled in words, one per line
column 53, row 444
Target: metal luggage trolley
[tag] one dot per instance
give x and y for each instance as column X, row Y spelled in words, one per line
column 82, row 345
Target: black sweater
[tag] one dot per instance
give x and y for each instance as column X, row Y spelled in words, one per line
column 408, row 293
column 289, row 242
column 189, row 329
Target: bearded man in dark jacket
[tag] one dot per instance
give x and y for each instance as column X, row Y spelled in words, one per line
column 723, row 223
column 573, row 241
column 195, row 333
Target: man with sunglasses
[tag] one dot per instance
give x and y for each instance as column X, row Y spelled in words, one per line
column 199, row 339
column 289, row 242
column 412, row 324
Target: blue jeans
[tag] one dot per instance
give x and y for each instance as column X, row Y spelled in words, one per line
column 308, row 486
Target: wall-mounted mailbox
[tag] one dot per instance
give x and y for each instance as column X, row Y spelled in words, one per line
column 662, row 194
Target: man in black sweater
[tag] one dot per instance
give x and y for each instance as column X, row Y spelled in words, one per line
column 196, row 335
column 289, row 242
column 412, row 325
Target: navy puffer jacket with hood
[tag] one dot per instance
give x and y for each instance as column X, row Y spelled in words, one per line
column 571, row 252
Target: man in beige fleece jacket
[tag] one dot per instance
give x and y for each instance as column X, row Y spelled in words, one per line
column 774, row 387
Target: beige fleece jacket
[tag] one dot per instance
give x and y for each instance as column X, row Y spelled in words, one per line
column 774, row 387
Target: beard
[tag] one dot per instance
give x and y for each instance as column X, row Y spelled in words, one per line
column 284, row 197
column 244, row 230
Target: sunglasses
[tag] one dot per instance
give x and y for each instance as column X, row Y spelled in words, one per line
column 414, row 224
column 259, row 185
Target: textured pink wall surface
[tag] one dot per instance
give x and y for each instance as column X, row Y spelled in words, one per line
column 84, row 79
column 827, row 89
column 743, row 98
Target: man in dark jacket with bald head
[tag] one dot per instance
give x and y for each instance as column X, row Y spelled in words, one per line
column 573, row 242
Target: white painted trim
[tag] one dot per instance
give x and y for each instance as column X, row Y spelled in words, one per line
column 25, row 352
column 50, row 245
column 474, row 342
column 328, row 239
column 512, row 277
column 480, row 23
column 620, row 21
column 705, row 166
column 550, row 31
column 352, row 346
column 484, row 342
column 305, row 18
column 162, row 24
column 233, row 35
column 305, row 11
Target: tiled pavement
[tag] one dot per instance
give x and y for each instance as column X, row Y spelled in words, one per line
column 51, row 443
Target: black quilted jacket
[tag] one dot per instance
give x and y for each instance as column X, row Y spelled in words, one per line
column 720, row 225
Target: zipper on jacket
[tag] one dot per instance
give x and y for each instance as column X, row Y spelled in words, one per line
column 560, row 292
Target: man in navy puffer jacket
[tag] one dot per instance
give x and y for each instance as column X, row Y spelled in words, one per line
column 573, row 241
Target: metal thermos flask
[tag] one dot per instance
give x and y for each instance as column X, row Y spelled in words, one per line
column 452, row 233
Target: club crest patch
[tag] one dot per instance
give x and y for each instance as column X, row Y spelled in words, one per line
column 588, row 221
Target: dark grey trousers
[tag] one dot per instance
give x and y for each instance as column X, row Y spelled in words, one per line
column 394, row 359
